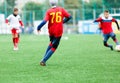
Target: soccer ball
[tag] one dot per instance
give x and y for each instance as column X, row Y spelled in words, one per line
column 117, row 48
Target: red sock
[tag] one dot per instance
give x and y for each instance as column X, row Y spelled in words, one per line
column 116, row 41
column 17, row 40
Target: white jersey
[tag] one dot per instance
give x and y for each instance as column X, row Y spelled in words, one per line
column 109, row 18
column 14, row 21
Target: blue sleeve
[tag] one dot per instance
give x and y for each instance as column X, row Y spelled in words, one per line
column 41, row 24
column 67, row 19
column 117, row 25
column 95, row 21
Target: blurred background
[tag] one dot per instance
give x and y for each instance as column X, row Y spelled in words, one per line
column 83, row 12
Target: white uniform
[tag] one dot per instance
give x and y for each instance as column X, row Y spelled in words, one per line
column 14, row 21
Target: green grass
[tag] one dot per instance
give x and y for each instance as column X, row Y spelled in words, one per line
column 80, row 59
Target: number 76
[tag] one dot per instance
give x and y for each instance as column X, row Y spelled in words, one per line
column 57, row 16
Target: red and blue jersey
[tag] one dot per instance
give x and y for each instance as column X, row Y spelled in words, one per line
column 106, row 24
column 55, row 17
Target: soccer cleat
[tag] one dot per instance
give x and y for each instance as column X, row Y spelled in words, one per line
column 111, row 47
column 42, row 63
column 15, row 48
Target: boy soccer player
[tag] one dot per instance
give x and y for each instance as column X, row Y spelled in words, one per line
column 106, row 27
column 55, row 16
column 15, row 22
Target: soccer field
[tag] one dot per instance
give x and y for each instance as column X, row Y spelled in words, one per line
column 80, row 59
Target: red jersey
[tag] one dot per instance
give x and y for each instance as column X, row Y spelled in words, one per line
column 106, row 24
column 55, row 18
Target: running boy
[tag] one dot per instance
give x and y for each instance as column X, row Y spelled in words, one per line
column 15, row 22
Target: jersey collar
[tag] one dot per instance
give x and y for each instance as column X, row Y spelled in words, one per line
column 54, row 6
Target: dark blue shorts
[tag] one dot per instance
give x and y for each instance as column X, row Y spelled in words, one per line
column 55, row 41
column 107, row 36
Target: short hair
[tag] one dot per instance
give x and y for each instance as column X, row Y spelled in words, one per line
column 15, row 9
column 53, row 2
column 106, row 11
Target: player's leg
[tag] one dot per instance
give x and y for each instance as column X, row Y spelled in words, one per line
column 15, row 35
column 14, row 40
column 106, row 37
column 113, row 36
column 17, row 38
column 49, row 47
column 55, row 44
column 50, row 44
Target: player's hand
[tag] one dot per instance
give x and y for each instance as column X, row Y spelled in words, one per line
column 92, row 22
column 119, row 29
column 22, row 27
column 100, row 28
column 38, row 31
column 8, row 23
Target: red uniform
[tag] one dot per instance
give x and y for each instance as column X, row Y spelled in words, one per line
column 55, row 17
column 106, row 24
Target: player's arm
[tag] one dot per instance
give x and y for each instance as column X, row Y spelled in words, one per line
column 98, row 20
column 7, row 19
column 100, row 27
column 46, row 18
column 20, row 21
column 114, row 20
column 117, row 25
column 66, row 15
column 41, row 25
column 66, row 19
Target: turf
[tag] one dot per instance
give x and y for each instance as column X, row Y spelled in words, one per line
column 80, row 59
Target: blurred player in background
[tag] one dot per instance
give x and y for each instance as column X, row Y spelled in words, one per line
column 55, row 16
column 15, row 23
column 106, row 27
